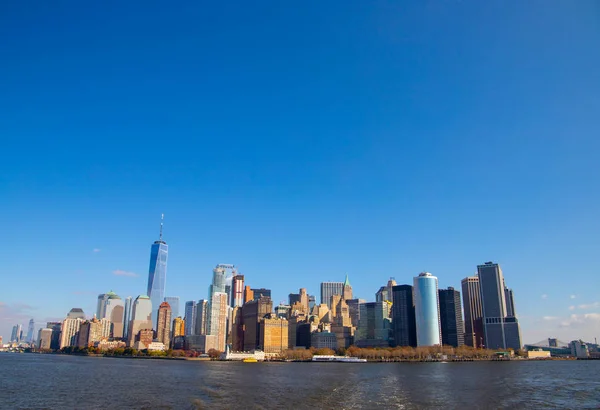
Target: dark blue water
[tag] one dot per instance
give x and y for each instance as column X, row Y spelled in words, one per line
column 70, row 382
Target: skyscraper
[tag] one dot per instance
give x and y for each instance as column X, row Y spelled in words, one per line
column 248, row 294
column 190, row 317
column 453, row 331
column 219, row 280
column 427, row 310
column 114, row 310
column 69, row 331
column 141, row 317
column 328, row 289
column 44, row 338
column 101, row 305
column 16, row 333
column 29, row 337
column 385, row 292
column 201, row 317
column 217, row 320
column 178, row 327
column 76, row 313
column 374, row 325
column 237, row 291
column 252, row 313
column 473, row 311
column 55, row 338
column 163, row 325
column 347, row 289
column 127, row 317
column 173, row 301
column 403, row 316
column 157, row 273
column 500, row 330
column 261, row 293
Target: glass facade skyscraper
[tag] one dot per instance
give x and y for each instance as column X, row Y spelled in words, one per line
column 427, row 310
column 173, row 301
column 157, row 274
column 328, row 289
column 190, row 317
column 403, row 316
column 453, row 330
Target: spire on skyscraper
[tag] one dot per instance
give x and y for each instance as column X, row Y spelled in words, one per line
column 162, row 218
column 347, row 281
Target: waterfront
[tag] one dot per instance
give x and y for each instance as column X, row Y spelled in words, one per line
column 69, row 382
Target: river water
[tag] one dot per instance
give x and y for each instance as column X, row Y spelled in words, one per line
column 69, row 382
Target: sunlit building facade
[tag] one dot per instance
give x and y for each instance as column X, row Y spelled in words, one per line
column 427, row 310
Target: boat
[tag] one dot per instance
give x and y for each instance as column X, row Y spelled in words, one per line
column 250, row 360
column 342, row 359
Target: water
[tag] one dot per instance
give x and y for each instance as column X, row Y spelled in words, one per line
column 71, row 382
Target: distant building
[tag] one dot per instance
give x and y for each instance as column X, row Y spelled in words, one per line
column 403, row 316
column 237, row 291
column 141, row 317
column 354, row 310
column 44, row 338
column 427, row 310
column 105, row 345
column 127, row 317
column 178, row 327
column 252, row 313
column 579, row 349
column 248, row 294
column 173, row 301
column 55, row 338
column 143, row 339
column 76, row 313
column 451, row 317
column 201, row 343
column 217, row 320
column 500, row 330
column 282, row 311
column 347, row 289
column 69, row 332
column 114, row 310
column 201, row 317
column 261, row 293
column 93, row 331
column 374, row 325
column 385, row 292
column 320, row 340
column 190, row 317
column 473, row 311
column 17, row 331
column 156, row 346
column 157, row 274
column 163, row 326
column 273, row 335
column 100, row 305
column 30, row 329
column 328, row 289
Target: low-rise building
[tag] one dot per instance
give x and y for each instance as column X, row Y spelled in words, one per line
column 538, row 354
column 156, row 347
column 320, row 340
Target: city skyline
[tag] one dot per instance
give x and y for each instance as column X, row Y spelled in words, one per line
column 302, row 144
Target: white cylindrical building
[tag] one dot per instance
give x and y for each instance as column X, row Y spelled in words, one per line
column 427, row 310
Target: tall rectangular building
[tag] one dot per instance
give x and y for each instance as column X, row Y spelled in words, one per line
column 473, row 312
column 157, row 273
column 374, row 325
column 403, row 316
column 328, row 289
column 190, row 317
column 217, row 322
column 451, row 318
column 201, row 317
column 237, row 291
column 500, row 330
column 173, row 301
column 252, row 313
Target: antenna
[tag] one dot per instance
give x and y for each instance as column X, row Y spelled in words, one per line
column 162, row 217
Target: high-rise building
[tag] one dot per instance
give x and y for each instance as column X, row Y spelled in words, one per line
column 93, row 331
column 248, row 294
column 427, row 310
column 17, row 330
column 312, row 301
column 347, row 290
column 44, row 339
column 261, row 293
column 403, row 316
column 328, row 289
column 217, row 320
column 127, row 317
column 55, row 338
column 201, row 317
column 453, row 331
column 385, row 292
column 69, row 331
column 500, row 331
column 76, row 313
column 273, row 335
column 101, row 305
column 354, row 310
column 237, row 291
column 141, row 317
column 30, row 329
column 114, row 310
column 163, row 325
column 178, row 327
column 374, row 325
column 190, row 317
column 173, row 301
column 473, row 311
column 252, row 313
column 157, row 273
column 219, row 280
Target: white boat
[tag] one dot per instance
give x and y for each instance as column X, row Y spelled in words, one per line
column 332, row 358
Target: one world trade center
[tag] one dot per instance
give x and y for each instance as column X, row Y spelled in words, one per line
column 157, row 274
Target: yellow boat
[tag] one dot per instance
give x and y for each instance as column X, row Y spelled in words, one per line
column 250, row 360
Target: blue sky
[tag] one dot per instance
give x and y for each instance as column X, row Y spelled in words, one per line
column 301, row 142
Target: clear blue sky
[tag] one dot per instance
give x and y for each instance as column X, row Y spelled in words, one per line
column 301, row 141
